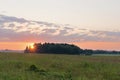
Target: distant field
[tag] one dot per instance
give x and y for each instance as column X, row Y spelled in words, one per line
column 15, row 66
column 105, row 54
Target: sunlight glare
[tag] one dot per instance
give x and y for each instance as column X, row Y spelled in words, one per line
column 32, row 45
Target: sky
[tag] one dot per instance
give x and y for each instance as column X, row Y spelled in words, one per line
column 92, row 24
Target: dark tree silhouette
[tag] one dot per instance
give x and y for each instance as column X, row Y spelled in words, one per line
column 26, row 50
column 56, row 48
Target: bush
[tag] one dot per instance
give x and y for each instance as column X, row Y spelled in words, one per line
column 33, row 68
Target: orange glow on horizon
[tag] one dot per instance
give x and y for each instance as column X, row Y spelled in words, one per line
column 99, row 45
column 14, row 45
column 83, row 45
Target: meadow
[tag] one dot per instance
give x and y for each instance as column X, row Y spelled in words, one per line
column 16, row 66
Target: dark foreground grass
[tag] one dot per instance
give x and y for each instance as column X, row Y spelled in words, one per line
column 58, row 67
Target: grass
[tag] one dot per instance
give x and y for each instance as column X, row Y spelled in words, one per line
column 15, row 66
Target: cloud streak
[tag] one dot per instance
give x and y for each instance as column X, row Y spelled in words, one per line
column 20, row 29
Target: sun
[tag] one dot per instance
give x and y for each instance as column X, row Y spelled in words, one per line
column 32, row 45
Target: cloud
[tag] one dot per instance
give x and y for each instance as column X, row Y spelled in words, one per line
column 20, row 29
column 5, row 19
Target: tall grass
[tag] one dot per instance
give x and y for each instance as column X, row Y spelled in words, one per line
column 15, row 66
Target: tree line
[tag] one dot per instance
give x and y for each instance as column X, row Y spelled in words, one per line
column 61, row 48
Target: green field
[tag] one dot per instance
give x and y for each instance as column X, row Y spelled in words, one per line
column 15, row 66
